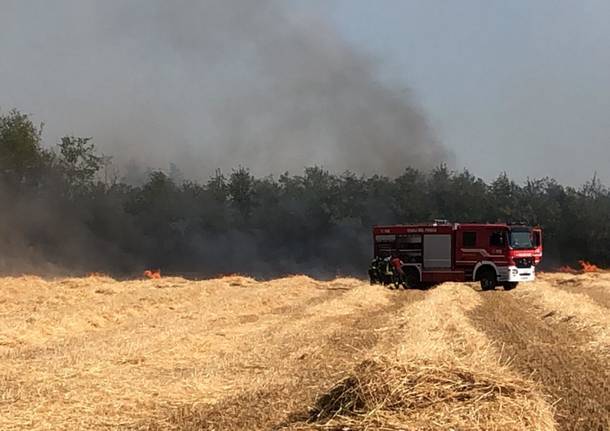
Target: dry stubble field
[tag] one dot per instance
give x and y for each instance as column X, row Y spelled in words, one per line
column 295, row 353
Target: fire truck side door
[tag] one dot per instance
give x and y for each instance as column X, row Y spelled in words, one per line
column 467, row 240
column 498, row 241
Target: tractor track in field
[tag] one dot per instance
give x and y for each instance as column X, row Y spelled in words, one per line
column 555, row 354
column 279, row 406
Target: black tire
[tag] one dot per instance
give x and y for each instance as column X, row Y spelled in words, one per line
column 487, row 278
column 510, row 285
column 411, row 279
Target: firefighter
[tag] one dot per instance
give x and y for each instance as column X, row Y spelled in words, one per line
column 385, row 271
column 399, row 275
column 374, row 270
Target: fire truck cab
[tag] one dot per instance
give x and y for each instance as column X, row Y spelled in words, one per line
column 494, row 254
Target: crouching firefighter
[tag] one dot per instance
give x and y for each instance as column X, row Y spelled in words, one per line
column 375, row 271
column 380, row 271
column 398, row 275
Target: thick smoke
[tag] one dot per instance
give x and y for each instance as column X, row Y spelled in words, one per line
column 208, row 84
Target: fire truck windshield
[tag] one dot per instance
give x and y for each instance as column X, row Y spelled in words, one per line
column 521, row 238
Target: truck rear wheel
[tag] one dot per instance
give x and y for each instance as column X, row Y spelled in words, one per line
column 488, row 279
column 411, row 278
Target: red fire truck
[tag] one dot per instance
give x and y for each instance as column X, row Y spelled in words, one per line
column 494, row 254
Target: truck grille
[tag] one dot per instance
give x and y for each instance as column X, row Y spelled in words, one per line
column 524, row 262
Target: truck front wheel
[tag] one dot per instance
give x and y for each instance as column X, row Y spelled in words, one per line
column 488, row 279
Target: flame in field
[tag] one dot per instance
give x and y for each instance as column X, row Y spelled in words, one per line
column 153, row 274
column 584, row 268
column 567, row 269
column 588, row 267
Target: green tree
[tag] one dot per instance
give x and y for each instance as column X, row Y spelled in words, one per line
column 78, row 161
column 241, row 190
column 502, row 202
column 410, row 197
column 217, row 185
column 21, row 155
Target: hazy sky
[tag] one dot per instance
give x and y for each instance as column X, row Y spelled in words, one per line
column 521, row 86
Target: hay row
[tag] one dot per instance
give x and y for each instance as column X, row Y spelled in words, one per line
column 575, row 308
column 95, row 353
column 443, row 375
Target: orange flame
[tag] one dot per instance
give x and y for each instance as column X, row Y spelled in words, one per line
column 567, row 269
column 153, row 274
column 588, row 267
column 585, row 267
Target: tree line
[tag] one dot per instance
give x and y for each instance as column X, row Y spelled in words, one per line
column 61, row 214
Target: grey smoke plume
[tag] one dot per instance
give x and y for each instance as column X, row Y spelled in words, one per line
column 208, row 84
